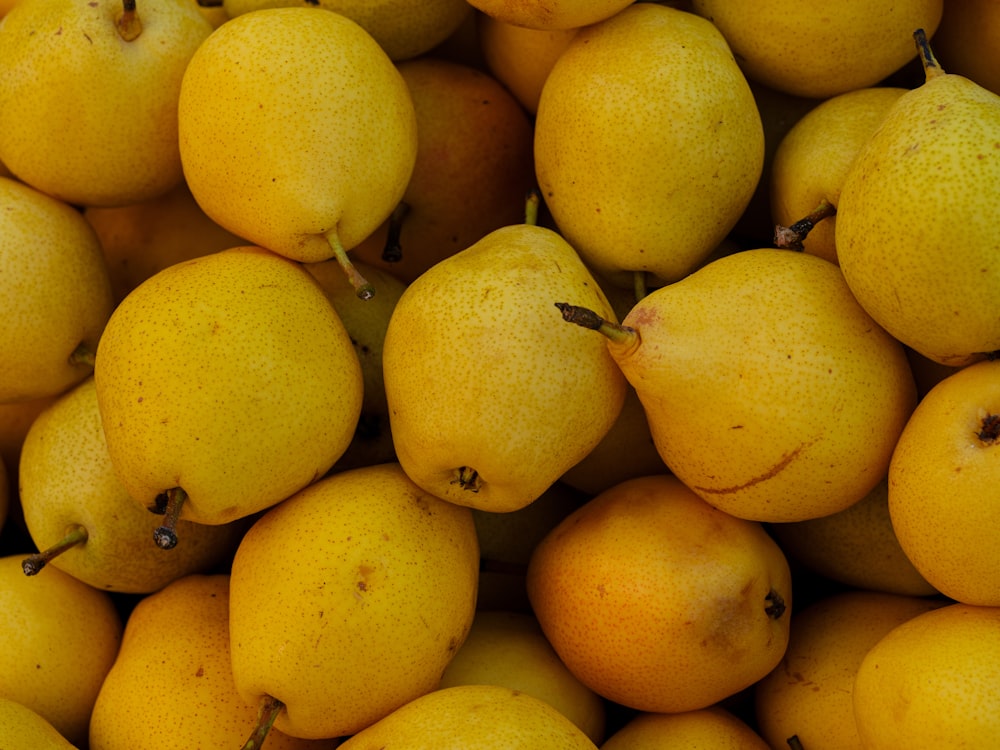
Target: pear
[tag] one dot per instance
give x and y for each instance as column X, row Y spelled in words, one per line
column 348, row 600
column 630, row 193
column 486, row 717
column 768, row 389
column 89, row 104
column 57, row 294
column 82, row 518
column 225, row 384
column 403, row 28
column 21, row 728
column 175, row 656
column 551, row 14
column 490, row 400
column 915, row 233
column 297, row 132
column 60, row 638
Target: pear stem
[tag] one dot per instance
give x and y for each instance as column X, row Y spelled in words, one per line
column 930, row 63
column 531, row 203
column 794, row 743
column 268, row 711
column 587, row 318
column 128, row 24
column 639, row 286
column 75, row 535
column 165, row 535
column 362, row 288
column 392, row 252
column 791, row 237
column 83, row 355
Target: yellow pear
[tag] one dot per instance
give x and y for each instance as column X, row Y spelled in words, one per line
column 551, row 14
column 658, row 601
column 630, row 193
column 21, row 728
column 485, row 717
column 145, row 237
column 769, row 390
column 945, row 458
column 809, row 694
column 56, row 292
column 403, row 28
column 812, row 159
column 966, row 41
column 348, row 600
column 60, row 638
column 89, row 101
column 490, row 401
column 509, row 649
column 712, row 727
column 856, row 546
column 175, row 657
column 520, row 57
column 82, row 519
column 366, row 322
column 474, row 167
column 915, row 236
column 815, row 50
column 932, row 682
column 296, row 132
column 225, row 384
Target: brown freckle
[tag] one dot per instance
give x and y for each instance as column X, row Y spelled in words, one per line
column 362, row 586
column 200, row 672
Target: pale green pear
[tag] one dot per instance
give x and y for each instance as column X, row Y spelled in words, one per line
column 297, row 132
column 916, row 236
column 648, row 143
column 225, row 384
column 83, row 520
column 175, row 657
column 768, row 389
column 60, row 638
column 56, row 291
column 491, row 399
column 349, row 599
column 89, row 95
column 22, row 728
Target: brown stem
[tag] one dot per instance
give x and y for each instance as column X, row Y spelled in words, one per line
column 791, row 237
column 268, row 711
column 75, row 535
column 392, row 252
column 165, row 534
column 128, row 24
column 362, row 288
column 930, row 63
column 531, row 203
column 794, row 743
column 587, row 318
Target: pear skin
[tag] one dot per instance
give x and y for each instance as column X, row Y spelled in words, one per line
column 21, row 728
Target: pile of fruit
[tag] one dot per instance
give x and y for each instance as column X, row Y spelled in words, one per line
column 478, row 374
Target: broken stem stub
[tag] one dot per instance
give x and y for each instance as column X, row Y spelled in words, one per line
column 165, row 535
column 587, row 318
column 792, row 236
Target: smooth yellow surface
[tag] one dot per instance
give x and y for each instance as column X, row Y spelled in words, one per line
column 657, row 601
column 810, row 693
column 66, row 479
column 648, row 142
column 817, row 49
column 350, row 598
column 474, row 166
column 943, row 514
column 482, row 372
column 230, row 376
column 56, row 293
column 932, row 682
column 769, row 391
column 814, row 155
column 509, row 649
column 60, row 639
column 295, row 124
column 712, row 727
column 89, row 117
column 403, row 28
column 21, row 728
column 915, row 233
column 172, row 683
column 485, row 717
